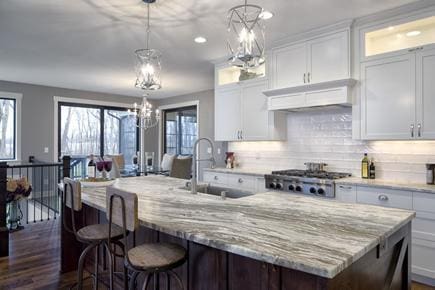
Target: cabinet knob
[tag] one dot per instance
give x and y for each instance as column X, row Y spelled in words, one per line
column 383, row 197
column 240, row 180
column 419, row 130
column 412, row 130
column 216, row 178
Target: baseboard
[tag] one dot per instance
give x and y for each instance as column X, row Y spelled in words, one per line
column 423, row 280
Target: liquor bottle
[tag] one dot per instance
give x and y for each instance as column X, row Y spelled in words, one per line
column 91, row 167
column 365, row 167
column 372, row 169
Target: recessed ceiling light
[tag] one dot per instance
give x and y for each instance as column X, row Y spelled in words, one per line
column 266, row 15
column 200, row 39
column 413, row 33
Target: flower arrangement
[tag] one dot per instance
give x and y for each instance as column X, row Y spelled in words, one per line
column 17, row 189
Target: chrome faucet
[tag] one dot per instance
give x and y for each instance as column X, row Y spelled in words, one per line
column 194, row 182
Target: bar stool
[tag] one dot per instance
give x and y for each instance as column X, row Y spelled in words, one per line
column 150, row 259
column 93, row 236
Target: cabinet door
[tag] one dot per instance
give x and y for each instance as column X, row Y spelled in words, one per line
column 328, row 58
column 227, row 114
column 426, row 94
column 289, row 66
column 388, row 98
column 255, row 116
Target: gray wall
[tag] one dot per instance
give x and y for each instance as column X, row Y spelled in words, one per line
column 38, row 114
column 206, row 123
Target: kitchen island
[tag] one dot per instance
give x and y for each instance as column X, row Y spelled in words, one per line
column 265, row 241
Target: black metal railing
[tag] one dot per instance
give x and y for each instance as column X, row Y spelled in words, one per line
column 43, row 203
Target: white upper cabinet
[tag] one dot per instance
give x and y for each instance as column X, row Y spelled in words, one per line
column 426, row 94
column 322, row 59
column 397, row 81
column 255, row 116
column 241, row 114
column 388, row 98
column 289, row 66
column 227, row 113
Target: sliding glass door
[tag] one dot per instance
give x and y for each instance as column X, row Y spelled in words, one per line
column 98, row 130
column 180, row 130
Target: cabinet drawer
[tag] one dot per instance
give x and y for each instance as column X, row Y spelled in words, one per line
column 218, row 178
column 286, row 102
column 241, row 181
column 345, row 193
column 384, row 197
column 424, row 202
column 423, row 258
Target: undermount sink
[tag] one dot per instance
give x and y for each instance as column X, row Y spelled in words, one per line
column 223, row 192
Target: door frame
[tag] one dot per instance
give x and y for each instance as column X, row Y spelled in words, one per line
column 171, row 107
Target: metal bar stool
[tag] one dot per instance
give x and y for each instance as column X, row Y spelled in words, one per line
column 149, row 259
column 93, row 236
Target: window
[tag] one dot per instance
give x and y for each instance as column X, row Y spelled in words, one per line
column 180, row 130
column 8, row 130
column 98, row 130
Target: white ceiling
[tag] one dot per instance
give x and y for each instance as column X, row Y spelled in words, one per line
column 89, row 44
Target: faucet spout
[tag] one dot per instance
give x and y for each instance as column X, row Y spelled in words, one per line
column 194, row 182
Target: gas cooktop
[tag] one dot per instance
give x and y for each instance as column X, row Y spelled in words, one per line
column 319, row 183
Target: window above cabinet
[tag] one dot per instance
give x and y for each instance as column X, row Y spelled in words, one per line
column 398, row 37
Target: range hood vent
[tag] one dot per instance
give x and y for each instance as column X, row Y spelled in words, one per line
column 326, row 94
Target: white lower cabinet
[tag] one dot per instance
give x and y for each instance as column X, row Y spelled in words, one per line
column 246, row 182
column 423, row 226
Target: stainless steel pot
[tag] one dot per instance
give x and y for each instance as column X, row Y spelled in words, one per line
column 313, row 166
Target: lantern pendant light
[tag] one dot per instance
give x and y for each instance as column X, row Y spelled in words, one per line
column 148, row 62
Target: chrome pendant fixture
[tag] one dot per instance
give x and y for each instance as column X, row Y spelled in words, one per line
column 146, row 117
column 246, row 39
column 148, row 62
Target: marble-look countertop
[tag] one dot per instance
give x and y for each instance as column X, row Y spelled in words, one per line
column 240, row 170
column 415, row 187
column 313, row 235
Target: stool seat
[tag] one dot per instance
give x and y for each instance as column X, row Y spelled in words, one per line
column 156, row 256
column 99, row 232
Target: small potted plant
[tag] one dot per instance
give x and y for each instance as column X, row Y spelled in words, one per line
column 17, row 189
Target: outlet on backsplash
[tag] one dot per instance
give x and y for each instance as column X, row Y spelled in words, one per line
column 326, row 136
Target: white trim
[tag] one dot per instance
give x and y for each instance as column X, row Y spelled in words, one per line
column 174, row 106
column 58, row 100
column 18, row 120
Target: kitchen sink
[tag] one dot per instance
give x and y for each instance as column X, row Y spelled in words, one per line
column 223, row 192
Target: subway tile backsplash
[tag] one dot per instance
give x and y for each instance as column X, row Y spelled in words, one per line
column 326, row 136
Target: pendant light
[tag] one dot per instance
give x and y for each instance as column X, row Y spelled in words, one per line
column 148, row 61
column 246, row 39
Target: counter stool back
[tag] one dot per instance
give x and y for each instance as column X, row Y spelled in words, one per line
column 122, row 210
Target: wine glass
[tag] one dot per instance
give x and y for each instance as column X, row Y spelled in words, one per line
column 100, row 167
column 108, row 166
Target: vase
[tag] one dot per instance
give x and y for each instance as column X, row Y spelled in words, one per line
column 14, row 215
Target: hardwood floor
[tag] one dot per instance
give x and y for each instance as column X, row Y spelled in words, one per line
column 34, row 261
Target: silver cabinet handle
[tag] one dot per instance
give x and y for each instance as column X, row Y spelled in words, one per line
column 419, row 130
column 238, row 135
column 383, row 197
column 240, row 180
column 241, row 135
column 216, row 177
column 345, row 187
column 309, row 81
column 304, row 78
column 412, row 130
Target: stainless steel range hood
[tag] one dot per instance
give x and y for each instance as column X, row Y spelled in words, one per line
column 311, row 96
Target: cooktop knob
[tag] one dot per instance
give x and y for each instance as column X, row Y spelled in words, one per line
column 313, row 190
column 321, row 191
column 298, row 188
column 278, row 186
column 272, row 185
column 291, row 187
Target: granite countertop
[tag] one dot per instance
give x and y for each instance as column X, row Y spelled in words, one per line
column 415, row 187
column 313, row 235
column 240, row 170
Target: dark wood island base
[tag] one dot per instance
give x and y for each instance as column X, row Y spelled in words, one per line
column 387, row 266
